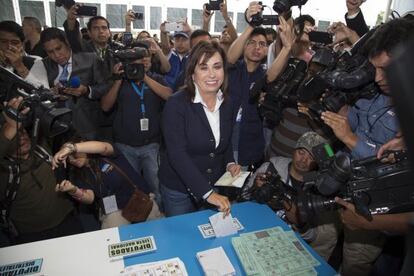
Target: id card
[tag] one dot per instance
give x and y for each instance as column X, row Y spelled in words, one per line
column 144, row 124
column 110, row 204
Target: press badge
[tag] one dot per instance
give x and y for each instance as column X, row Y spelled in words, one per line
column 110, row 204
column 144, row 124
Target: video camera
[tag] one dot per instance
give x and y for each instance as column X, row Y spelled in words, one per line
column 127, row 55
column 279, row 6
column 280, row 93
column 372, row 186
column 83, row 10
column 44, row 116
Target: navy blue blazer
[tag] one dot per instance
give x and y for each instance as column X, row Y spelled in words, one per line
column 191, row 163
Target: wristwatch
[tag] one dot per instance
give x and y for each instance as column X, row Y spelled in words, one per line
column 71, row 147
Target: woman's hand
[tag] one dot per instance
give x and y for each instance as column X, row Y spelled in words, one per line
column 66, row 186
column 233, row 169
column 61, row 156
column 222, row 202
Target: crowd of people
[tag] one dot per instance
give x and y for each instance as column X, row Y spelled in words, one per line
column 190, row 117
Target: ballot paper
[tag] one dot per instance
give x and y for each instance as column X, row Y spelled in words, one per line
column 207, row 230
column 223, row 226
column 215, row 262
column 227, row 180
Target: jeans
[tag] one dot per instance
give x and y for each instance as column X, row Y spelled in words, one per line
column 175, row 202
column 144, row 160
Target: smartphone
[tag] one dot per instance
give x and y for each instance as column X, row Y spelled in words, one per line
column 139, row 16
column 270, row 19
column 61, row 173
column 87, row 11
column 321, row 37
column 173, row 27
column 213, row 5
column 127, row 39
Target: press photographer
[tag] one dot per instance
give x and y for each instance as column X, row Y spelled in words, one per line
column 136, row 97
column 31, row 209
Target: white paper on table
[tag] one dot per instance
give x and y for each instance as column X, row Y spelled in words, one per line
column 222, row 226
column 170, row 267
column 228, row 181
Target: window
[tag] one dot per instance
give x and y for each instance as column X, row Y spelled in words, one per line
column 176, row 14
column 197, row 19
column 84, row 20
column 241, row 22
column 155, row 18
column 6, row 11
column 32, row 8
column 220, row 23
column 116, row 15
column 57, row 15
column 139, row 24
column 323, row 25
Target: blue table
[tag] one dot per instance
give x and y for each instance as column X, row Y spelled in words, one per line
column 179, row 237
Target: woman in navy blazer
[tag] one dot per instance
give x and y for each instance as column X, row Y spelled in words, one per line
column 197, row 126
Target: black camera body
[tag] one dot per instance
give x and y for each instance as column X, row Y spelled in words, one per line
column 213, row 5
column 45, row 116
column 127, row 56
column 372, row 186
column 281, row 6
column 280, row 93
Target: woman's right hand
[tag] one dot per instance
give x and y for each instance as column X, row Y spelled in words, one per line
column 66, row 186
column 222, row 202
column 61, row 156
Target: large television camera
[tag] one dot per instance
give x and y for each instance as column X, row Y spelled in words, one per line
column 280, row 93
column 44, row 116
column 344, row 81
column 127, row 55
column 279, row 6
column 372, row 186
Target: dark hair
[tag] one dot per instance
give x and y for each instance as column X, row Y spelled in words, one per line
column 12, row 27
column 300, row 23
column 203, row 50
column 271, row 31
column 388, row 36
column 143, row 32
column 53, row 33
column 96, row 18
column 198, row 33
column 258, row 31
column 34, row 21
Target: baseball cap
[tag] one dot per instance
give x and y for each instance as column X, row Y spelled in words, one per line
column 309, row 140
column 183, row 34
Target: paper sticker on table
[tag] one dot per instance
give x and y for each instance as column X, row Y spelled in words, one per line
column 170, row 267
column 22, row 268
column 132, row 247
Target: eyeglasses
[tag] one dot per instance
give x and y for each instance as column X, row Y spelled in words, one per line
column 254, row 43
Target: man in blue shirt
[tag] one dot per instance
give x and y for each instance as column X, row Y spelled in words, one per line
column 177, row 56
column 248, row 140
column 369, row 125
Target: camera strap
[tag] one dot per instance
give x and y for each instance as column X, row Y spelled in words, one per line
column 140, row 93
column 12, row 188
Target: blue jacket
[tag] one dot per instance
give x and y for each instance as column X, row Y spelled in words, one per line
column 374, row 122
column 177, row 67
column 251, row 140
column 191, row 163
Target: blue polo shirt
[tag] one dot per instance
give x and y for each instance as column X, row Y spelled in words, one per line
column 375, row 123
column 128, row 113
column 177, row 67
column 250, row 142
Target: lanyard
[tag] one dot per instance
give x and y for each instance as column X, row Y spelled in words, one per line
column 140, row 93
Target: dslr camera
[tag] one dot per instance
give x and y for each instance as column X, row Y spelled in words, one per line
column 279, row 6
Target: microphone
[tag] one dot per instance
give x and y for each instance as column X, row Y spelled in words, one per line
column 74, row 82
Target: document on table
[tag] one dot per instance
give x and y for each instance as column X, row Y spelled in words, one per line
column 223, row 226
column 227, row 180
column 170, row 267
